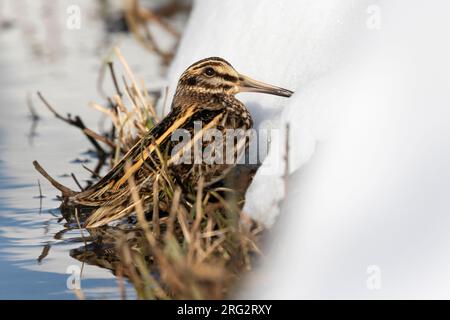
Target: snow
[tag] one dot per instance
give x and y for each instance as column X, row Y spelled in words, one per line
column 369, row 140
column 290, row 47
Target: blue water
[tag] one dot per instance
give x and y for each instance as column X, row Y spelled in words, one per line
column 25, row 228
column 39, row 53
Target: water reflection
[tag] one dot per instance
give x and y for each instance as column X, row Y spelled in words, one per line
column 104, row 251
column 38, row 246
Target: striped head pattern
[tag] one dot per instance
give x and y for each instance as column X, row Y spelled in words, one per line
column 217, row 76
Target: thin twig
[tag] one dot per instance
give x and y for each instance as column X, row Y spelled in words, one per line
column 44, row 253
column 99, row 137
column 65, row 191
column 34, row 115
column 77, row 122
column 92, row 172
column 76, row 181
column 40, row 197
column 113, row 76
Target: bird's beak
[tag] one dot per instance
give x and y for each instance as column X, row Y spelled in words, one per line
column 247, row 84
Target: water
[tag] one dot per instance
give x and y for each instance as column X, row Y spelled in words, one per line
column 38, row 52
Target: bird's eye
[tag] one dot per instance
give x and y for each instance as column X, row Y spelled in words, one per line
column 210, row 72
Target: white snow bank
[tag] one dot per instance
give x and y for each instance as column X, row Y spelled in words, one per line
column 286, row 43
column 367, row 214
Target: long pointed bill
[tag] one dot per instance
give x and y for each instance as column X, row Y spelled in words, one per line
column 247, row 84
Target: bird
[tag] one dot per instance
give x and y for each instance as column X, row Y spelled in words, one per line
column 205, row 95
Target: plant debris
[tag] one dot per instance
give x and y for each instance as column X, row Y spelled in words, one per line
column 193, row 242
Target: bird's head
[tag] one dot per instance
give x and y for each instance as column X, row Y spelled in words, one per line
column 217, row 76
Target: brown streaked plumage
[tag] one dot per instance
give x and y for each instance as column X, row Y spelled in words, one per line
column 205, row 92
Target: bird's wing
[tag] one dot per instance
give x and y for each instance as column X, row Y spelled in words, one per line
column 118, row 176
column 120, row 204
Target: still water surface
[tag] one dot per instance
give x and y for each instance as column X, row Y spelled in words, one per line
column 38, row 52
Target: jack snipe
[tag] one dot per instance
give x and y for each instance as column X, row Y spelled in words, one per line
column 205, row 93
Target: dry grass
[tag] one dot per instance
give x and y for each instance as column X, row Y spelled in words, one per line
column 203, row 249
column 139, row 18
column 194, row 242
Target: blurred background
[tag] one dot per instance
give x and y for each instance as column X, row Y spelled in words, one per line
column 60, row 49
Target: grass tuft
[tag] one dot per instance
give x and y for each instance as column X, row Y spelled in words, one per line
column 193, row 242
